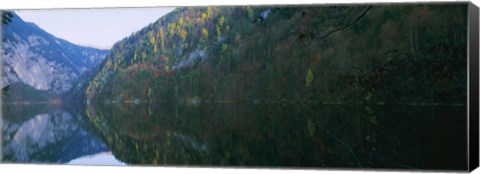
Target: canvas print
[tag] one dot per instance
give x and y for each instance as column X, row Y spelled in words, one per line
column 359, row 86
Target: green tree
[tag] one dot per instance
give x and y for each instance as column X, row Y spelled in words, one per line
column 109, row 63
column 161, row 33
column 183, row 33
column 224, row 47
column 152, row 39
column 6, row 17
column 309, row 78
column 218, row 32
column 205, row 33
column 221, row 21
column 135, row 57
column 150, row 93
column 250, row 13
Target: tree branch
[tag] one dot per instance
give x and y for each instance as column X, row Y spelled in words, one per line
column 348, row 25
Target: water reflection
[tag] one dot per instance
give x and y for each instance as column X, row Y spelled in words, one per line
column 45, row 134
column 103, row 158
column 268, row 135
column 421, row 137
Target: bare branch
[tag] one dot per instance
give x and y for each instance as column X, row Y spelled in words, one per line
column 348, row 25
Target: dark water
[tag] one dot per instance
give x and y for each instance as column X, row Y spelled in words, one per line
column 261, row 135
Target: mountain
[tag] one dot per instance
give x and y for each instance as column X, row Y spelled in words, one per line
column 38, row 63
column 304, row 54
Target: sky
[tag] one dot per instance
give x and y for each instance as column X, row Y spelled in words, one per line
column 99, row 28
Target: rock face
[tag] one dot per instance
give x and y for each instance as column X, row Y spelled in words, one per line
column 34, row 58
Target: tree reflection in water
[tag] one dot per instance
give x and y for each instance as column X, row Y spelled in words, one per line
column 333, row 135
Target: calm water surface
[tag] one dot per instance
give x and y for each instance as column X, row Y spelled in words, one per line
column 260, row 135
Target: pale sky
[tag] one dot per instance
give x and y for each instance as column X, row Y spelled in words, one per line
column 99, row 28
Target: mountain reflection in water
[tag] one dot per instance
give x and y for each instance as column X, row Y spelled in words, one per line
column 104, row 158
column 285, row 135
column 45, row 134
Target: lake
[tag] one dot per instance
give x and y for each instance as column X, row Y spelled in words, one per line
column 252, row 135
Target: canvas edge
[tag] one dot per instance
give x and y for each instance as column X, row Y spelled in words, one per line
column 473, row 91
column 1, row 97
column 473, row 79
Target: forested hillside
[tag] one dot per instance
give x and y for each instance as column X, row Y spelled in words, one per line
column 410, row 54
